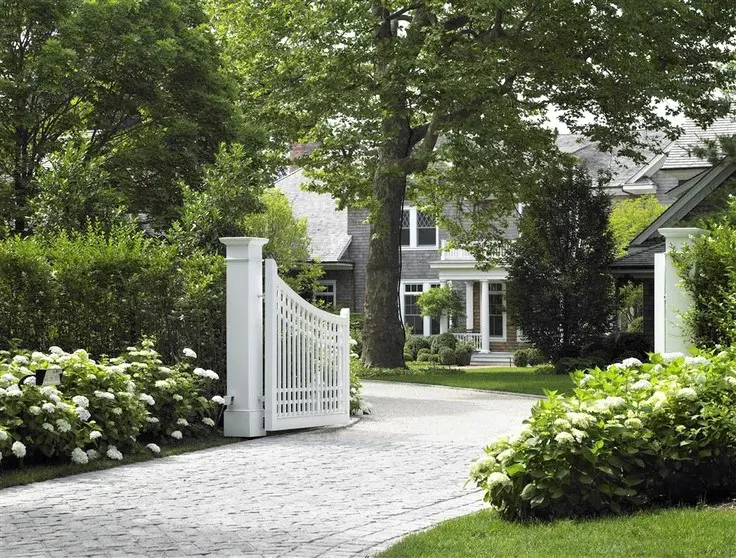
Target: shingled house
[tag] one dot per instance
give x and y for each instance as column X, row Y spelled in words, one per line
column 340, row 242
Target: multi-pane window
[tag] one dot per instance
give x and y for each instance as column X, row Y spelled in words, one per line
column 328, row 295
column 418, row 229
column 412, row 315
column 496, row 309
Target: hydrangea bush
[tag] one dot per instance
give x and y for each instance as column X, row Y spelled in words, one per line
column 102, row 407
column 633, row 434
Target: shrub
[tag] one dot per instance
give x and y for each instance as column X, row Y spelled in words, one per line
column 463, row 353
column 632, row 435
column 446, row 356
column 444, row 340
column 424, row 352
column 567, row 365
column 424, row 357
column 529, row 356
column 521, row 359
column 409, row 356
column 416, row 343
column 435, row 359
column 99, row 406
column 545, row 369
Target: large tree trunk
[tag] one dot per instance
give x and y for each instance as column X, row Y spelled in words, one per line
column 383, row 332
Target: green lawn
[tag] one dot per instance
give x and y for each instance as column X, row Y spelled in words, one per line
column 519, row 380
column 42, row 472
column 682, row 532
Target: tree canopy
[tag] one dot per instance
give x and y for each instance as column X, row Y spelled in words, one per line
column 559, row 290
column 136, row 82
column 631, row 216
column 390, row 89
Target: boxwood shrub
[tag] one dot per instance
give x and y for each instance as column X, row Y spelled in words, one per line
column 633, row 435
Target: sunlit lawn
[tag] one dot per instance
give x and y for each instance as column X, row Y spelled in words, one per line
column 519, row 380
column 681, row 532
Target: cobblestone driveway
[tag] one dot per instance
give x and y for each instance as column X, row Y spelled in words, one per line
column 334, row 493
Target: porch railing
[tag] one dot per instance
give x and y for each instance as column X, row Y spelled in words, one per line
column 458, row 254
column 473, row 338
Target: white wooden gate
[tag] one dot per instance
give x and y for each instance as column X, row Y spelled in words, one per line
column 288, row 362
column 307, row 365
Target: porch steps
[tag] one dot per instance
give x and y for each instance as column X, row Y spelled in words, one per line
column 494, row 358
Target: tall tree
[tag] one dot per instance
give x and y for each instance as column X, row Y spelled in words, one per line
column 559, row 289
column 378, row 82
column 137, row 80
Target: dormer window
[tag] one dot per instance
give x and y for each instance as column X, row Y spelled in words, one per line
column 418, row 230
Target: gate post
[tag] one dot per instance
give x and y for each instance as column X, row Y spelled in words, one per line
column 244, row 416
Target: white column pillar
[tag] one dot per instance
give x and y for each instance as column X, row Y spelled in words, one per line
column 469, row 305
column 444, row 318
column 485, row 316
column 427, row 321
column 245, row 416
column 671, row 299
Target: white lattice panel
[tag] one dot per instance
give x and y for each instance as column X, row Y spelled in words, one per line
column 307, row 360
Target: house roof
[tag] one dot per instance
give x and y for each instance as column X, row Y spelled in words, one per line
column 638, row 259
column 679, row 155
column 327, row 225
column 698, row 189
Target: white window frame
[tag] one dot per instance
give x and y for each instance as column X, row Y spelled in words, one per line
column 504, row 326
column 413, row 234
column 321, row 294
column 426, row 285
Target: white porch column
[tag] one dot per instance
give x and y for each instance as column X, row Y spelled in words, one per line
column 671, row 299
column 244, row 416
column 469, row 305
column 444, row 318
column 485, row 311
column 427, row 321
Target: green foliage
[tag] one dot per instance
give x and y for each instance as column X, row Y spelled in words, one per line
column 443, row 340
column 139, row 83
column 631, row 216
column 424, row 357
column 415, row 344
column 545, row 369
column 441, row 300
column 632, row 435
column 288, row 241
column 559, row 290
column 114, row 404
column 571, row 364
column 463, row 353
column 528, row 357
column 446, row 356
column 707, row 267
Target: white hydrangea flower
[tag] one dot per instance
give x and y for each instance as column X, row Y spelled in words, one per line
column 113, row 453
column 189, row 353
column 564, row 438
column 162, row 384
column 480, row 464
column 95, row 434
column 579, row 435
column 81, row 353
column 117, row 411
column 505, row 455
column 176, row 434
column 219, row 399
column 34, row 410
column 696, row 361
column 562, row 424
column 48, row 407
column 208, row 421
column 18, row 449
column 54, row 350
column 48, row 426
column 92, row 454
column 30, row 380
column 657, row 400
column 7, row 379
column 63, row 425
column 499, row 479
column 607, row 404
column 583, row 420
column 131, row 386
column 3, row 435
column 669, row 357
column 731, row 380
column 164, row 370
column 79, row 456
column 198, row 371
column 182, row 422
column 36, row 355
column 585, row 380
column 152, row 420
column 687, row 393
column 633, row 422
column 147, row 398
column 177, row 397
column 641, row 384
column 631, row 362
column 154, row 448
column 13, row 391
column 22, row 360
column 104, row 395
column 83, row 413
column 81, row 401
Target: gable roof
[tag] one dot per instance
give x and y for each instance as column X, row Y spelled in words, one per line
column 698, row 189
column 327, row 226
column 679, row 155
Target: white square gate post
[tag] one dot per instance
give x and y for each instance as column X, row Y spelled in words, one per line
column 244, row 416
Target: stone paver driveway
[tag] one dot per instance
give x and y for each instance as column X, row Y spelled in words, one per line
column 322, row 492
